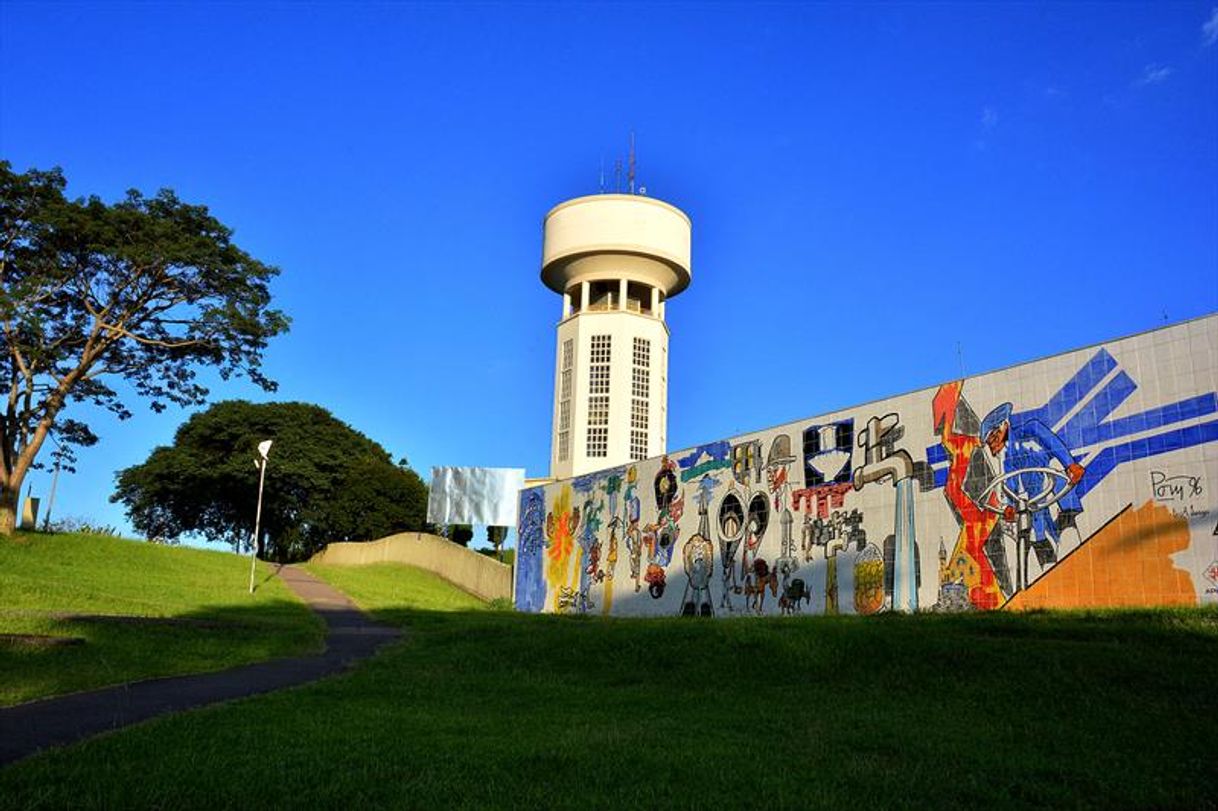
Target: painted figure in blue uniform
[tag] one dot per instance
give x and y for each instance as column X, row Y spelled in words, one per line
column 1030, row 443
column 634, row 537
column 590, row 545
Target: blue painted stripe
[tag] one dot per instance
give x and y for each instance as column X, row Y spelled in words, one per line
column 1188, row 409
column 1088, row 419
column 1074, row 390
column 1106, row 460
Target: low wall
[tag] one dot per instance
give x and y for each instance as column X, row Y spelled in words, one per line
column 478, row 574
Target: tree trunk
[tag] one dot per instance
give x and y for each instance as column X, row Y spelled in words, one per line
column 12, row 479
column 10, row 499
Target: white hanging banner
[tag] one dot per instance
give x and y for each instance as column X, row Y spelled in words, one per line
column 475, row 495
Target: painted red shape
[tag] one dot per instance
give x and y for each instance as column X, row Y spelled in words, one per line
column 968, row 562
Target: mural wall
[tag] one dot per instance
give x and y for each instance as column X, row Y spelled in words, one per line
column 1081, row 480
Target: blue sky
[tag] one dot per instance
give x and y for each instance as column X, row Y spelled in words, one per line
column 871, row 187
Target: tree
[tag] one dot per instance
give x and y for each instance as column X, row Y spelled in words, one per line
column 460, row 534
column 325, row 481
column 496, row 536
column 149, row 290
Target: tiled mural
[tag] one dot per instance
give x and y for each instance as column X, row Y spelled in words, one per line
column 1080, row 480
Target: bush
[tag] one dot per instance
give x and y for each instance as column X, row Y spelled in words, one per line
column 82, row 526
column 509, row 555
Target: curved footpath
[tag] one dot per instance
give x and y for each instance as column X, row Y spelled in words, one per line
column 350, row 637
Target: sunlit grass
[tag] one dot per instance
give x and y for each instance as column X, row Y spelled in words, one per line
column 46, row 580
column 378, row 587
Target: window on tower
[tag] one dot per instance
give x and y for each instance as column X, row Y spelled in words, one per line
column 598, row 410
column 564, row 400
column 602, row 346
column 598, row 396
column 640, row 394
column 598, row 442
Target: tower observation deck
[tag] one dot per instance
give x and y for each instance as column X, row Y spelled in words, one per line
column 616, row 259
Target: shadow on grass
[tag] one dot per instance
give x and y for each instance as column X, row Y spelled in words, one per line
column 271, row 575
column 119, row 650
column 350, row 637
column 992, row 661
column 484, row 708
column 1200, row 623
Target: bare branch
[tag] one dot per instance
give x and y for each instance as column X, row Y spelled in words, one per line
column 117, row 330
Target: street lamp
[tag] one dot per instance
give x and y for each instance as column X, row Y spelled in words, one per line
column 58, row 455
column 264, row 448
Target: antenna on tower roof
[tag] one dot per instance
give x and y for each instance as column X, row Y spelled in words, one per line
column 630, row 171
column 602, row 174
column 617, row 176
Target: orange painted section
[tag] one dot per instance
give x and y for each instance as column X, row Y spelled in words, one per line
column 968, row 563
column 1127, row 563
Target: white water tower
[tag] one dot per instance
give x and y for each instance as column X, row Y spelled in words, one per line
column 616, row 259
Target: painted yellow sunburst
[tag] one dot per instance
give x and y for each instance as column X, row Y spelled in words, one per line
column 561, row 524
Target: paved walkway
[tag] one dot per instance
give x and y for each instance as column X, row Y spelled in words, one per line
column 350, row 637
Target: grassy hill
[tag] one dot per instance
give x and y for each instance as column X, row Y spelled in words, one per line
column 73, row 585
column 387, row 589
column 482, row 708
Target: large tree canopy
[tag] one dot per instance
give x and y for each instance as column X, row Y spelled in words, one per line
column 148, row 289
column 325, row 481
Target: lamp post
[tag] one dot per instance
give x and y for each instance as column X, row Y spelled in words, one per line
column 264, row 448
column 57, row 455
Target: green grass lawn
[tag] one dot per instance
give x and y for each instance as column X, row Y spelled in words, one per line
column 46, row 575
column 395, row 587
column 493, row 709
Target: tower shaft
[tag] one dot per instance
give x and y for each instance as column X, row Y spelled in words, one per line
column 616, row 259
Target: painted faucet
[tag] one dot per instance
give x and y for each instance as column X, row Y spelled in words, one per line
column 882, row 462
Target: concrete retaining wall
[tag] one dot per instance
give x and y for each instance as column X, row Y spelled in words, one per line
column 478, row 574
